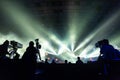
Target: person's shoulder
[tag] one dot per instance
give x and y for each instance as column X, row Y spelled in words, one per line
column 1, row 45
column 110, row 46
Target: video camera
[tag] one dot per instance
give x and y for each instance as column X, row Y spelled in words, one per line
column 16, row 44
column 98, row 44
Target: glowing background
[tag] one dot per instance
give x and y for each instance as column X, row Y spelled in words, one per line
column 66, row 28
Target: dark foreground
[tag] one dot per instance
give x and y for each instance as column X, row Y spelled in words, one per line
column 16, row 70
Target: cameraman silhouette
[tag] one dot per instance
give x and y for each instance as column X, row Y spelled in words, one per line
column 30, row 54
column 4, row 50
column 29, row 61
column 107, row 52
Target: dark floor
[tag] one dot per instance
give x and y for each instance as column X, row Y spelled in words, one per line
column 15, row 70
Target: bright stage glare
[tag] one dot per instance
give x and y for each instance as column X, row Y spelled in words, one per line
column 25, row 24
column 66, row 49
column 77, row 25
column 48, row 47
column 58, row 42
column 97, row 33
column 95, row 53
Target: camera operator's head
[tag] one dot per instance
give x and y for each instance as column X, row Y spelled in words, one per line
column 6, row 43
column 31, row 43
column 105, row 41
column 102, row 42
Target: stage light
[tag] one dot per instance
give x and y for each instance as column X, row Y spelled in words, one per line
column 25, row 23
column 78, row 24
column 66, row 48
column 61, row 50
column 58, row 42
column 94, row 35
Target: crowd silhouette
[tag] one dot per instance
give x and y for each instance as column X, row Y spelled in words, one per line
column 29, row 58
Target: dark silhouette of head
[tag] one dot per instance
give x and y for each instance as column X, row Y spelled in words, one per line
column 66, row 61
column 102, row 42
column 79, row 61
column 6, row 42
column 78, row 58
column 46, row 61
column 31, row 43
column 105, row 41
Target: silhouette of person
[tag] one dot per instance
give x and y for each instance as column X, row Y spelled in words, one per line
column 69, row 63
column 79, row 61
column 46, row 61
column 107, row 52
column 53, row 62
column 66, row 61
column 29, row 60
column 30, row 54
column 4, row 50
